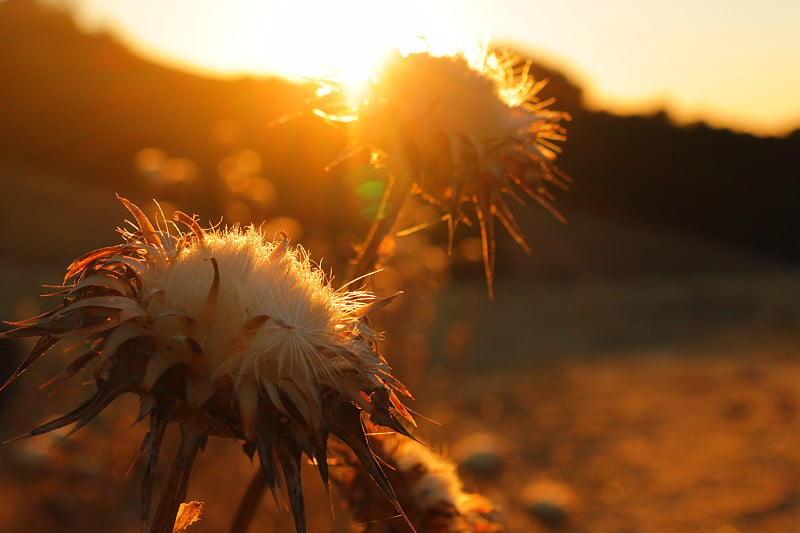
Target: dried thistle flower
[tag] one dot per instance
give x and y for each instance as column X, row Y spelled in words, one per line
column 428, row 487
column 457, row 131
column 221, row 333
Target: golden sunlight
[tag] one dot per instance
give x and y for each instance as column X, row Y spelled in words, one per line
column 716, row 54
column 342, row 39
column 306, row 39
column 332, row 39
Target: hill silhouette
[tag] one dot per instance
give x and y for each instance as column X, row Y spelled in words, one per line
column 84, row 105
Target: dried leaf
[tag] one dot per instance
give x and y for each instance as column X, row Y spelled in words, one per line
column 188, row 514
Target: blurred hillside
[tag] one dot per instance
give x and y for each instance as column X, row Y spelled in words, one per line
column 83, row 106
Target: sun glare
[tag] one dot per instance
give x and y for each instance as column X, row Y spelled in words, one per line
column 299, row 39
column 345, row 39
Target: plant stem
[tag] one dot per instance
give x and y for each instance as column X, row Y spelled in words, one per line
column 393, row 200
column 174, row 490
column 247, row 508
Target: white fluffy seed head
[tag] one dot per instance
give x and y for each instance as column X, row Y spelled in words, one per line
column 431, row 480
column 485, row 99
column 273, row 317
column 435, row 478
column 446, row 93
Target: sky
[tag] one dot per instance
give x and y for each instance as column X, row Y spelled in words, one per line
column 730, row 63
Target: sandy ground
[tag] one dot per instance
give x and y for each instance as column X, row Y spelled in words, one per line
column 677, row 410
column 660, row 406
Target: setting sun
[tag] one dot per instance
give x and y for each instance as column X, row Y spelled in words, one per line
column 697, row 61
column 294, row 39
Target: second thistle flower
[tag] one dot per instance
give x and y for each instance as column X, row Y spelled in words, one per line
column 459, row 131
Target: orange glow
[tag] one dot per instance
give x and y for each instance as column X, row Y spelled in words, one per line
column 723, row 62
column 302, row 39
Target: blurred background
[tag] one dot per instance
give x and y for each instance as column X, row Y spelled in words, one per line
column 637, row 372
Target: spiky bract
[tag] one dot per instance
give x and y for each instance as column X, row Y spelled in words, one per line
column 459, row 131
column 221, row 333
